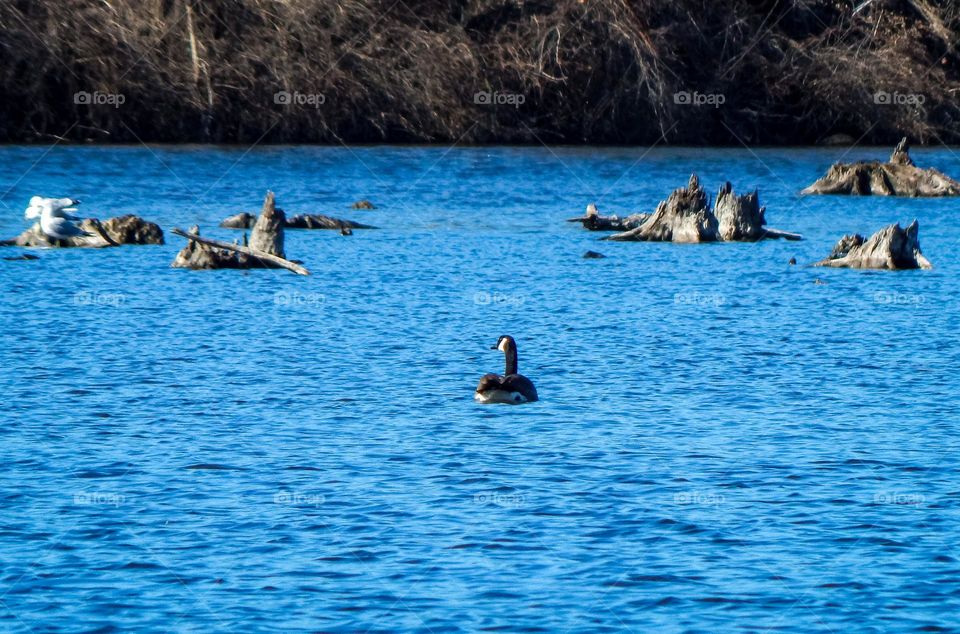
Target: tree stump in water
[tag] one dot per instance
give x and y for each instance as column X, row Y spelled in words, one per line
column 265, row 249
column 739, row 218
column 199, row 256
column 891, row 248
column 267, row 234
column 845, row 245
column 684, row 217
column 897, row 177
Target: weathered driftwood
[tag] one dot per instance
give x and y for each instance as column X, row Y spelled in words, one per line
column 593, row 221
column 301, row 221
column 775, row 234
column 128, row 229
column 265, row 249
column 239, row 221
column 238, row 262
column 897, row 177
column 316, row 221
column 200, row 254
column 892, row 248
column 686, row 217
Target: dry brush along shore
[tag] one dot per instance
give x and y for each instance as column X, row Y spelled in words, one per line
column 264, row 251
column 484, row 71
column 686, row 216
column 897, row 177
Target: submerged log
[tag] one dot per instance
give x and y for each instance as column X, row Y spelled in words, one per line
column 301, row 221
column 897, row 177
column 127, row 229
column 891, row 248
column 683, row 217
column 774, row 234
column 239, row 221
column 265, row 250
column 593, row 221
column 316, row 221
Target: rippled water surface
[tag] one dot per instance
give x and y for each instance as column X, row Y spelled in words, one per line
column 722, row 444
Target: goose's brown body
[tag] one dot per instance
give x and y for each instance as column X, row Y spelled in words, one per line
column 510, row 387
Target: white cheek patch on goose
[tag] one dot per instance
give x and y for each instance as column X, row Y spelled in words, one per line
column 502, row 346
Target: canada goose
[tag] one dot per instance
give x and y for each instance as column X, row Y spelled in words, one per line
column 509, row 388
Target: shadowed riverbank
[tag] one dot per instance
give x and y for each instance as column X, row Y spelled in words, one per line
column 573, row 71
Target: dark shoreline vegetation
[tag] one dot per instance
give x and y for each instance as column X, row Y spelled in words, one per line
column 682, row 72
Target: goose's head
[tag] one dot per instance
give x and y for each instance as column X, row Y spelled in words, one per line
column 504, row 344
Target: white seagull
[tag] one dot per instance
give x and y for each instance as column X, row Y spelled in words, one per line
column 55, row 222
column 59, row 207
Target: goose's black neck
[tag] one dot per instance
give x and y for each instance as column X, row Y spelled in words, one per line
column 510, row 354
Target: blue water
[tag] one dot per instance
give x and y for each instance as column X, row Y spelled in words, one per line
column 721, row 444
